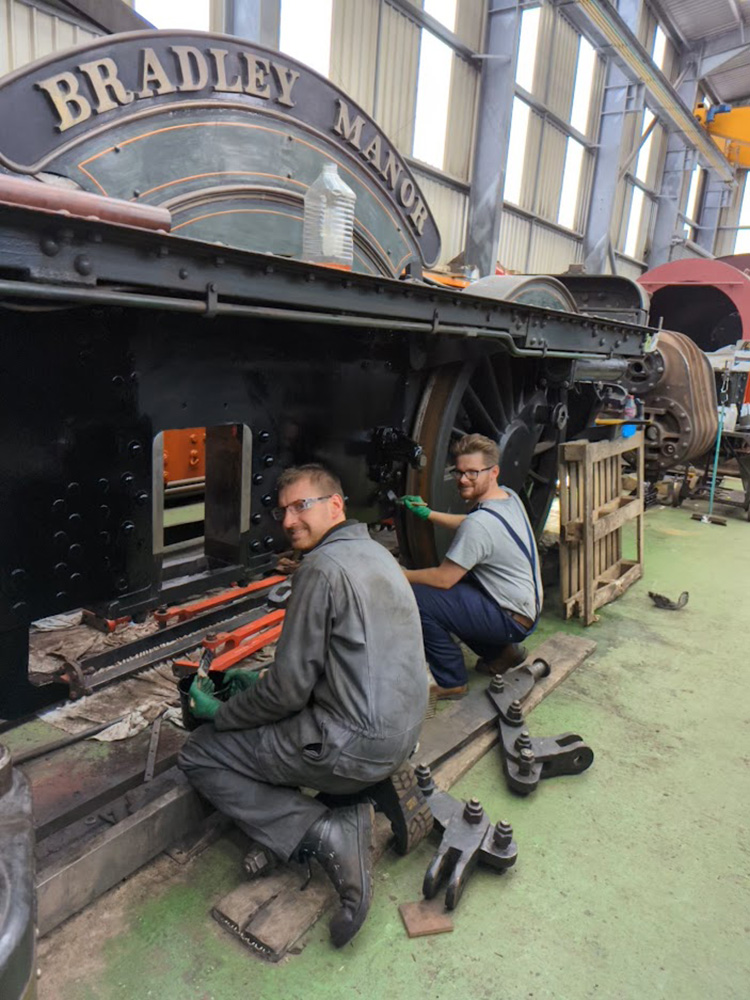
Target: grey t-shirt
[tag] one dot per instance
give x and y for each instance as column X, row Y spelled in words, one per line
column 484, row 545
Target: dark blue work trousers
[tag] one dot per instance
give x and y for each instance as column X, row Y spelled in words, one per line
column 467, row 612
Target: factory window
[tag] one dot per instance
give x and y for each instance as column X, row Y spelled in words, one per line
column 632, row 247
column 643, row 162
column 305, row 32
column 193, row 15
column 659, row 48
column 742, row 242
column 527, row 48
column 514, row 170
column 433, row 87
column 579, row 116
column 693, row 202
column 567, row 214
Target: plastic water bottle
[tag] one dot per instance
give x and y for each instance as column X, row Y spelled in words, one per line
column 328, row 226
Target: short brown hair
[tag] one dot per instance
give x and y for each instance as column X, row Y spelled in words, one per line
column 470, row 444
column 321, row 477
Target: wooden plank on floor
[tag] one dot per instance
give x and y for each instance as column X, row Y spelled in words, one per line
column 270, row 915
column 460, row 722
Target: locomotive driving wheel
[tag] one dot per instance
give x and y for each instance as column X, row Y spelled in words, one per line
column 505, row 400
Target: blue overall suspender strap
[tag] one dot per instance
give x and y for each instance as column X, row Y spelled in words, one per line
column 528, row 550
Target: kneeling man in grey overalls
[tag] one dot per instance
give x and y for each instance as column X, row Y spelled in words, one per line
column 338, row 711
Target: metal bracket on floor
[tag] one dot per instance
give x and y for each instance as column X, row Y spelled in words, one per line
column 526, row 759
column 469, row 837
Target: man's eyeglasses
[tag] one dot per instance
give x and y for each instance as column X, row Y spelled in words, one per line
column 297, row 506
column 471, row 474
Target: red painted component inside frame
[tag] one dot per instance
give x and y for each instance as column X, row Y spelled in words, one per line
column 184, row 454
column 708, row 300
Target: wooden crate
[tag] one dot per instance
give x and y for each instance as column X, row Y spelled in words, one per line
column 593, row 511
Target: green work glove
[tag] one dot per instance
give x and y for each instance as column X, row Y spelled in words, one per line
column 203, row 703
column 240, row 679
column 416, row 505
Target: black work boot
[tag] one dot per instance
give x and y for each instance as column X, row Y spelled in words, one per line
column 340, row 841
column 403, row 802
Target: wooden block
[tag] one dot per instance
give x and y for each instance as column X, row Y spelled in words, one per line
column 242, row 903
column 270, row 914
column 428, row 916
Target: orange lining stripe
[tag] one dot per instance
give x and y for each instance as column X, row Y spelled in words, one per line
column 91, row 178
column 222, row 173
column 236, row 211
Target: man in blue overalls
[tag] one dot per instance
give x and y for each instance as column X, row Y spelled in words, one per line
column 488, row 589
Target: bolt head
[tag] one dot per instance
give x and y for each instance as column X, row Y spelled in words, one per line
column 473, row 812
column 503, row 835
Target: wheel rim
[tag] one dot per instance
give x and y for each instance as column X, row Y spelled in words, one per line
column 502, row 399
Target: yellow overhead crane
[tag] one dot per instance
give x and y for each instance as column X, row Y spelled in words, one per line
column 730, row 129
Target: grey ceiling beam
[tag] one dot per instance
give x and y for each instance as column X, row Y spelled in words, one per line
column 714, row 64
column 493, row 135
column 618, row 93
column 725, row 42
column 678, row 162
column 601, row 22
column 669, row 26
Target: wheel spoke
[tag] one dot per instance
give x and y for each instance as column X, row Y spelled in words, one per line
column 493, row 399
column 479, row 414
column 539, row 479
column 505, row 387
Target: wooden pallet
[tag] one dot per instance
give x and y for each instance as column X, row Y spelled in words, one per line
column 593, row 512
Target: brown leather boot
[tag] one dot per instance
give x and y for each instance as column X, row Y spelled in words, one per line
column 448, row 694
column 512, row 656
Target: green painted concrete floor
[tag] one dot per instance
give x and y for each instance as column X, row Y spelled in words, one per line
column 632, row 879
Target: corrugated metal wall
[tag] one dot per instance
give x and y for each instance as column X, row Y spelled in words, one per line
column 470, row 22
column 450, row 207
column 687, row 251
column 397, row 80
column 375, row 58
column 354, row 49
column 730, row 216
column 629, row 268
column 462, row 117
column 515, row 240
column 558, row 50
column 552, row 252
column 28, row 33
column 530, row 247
